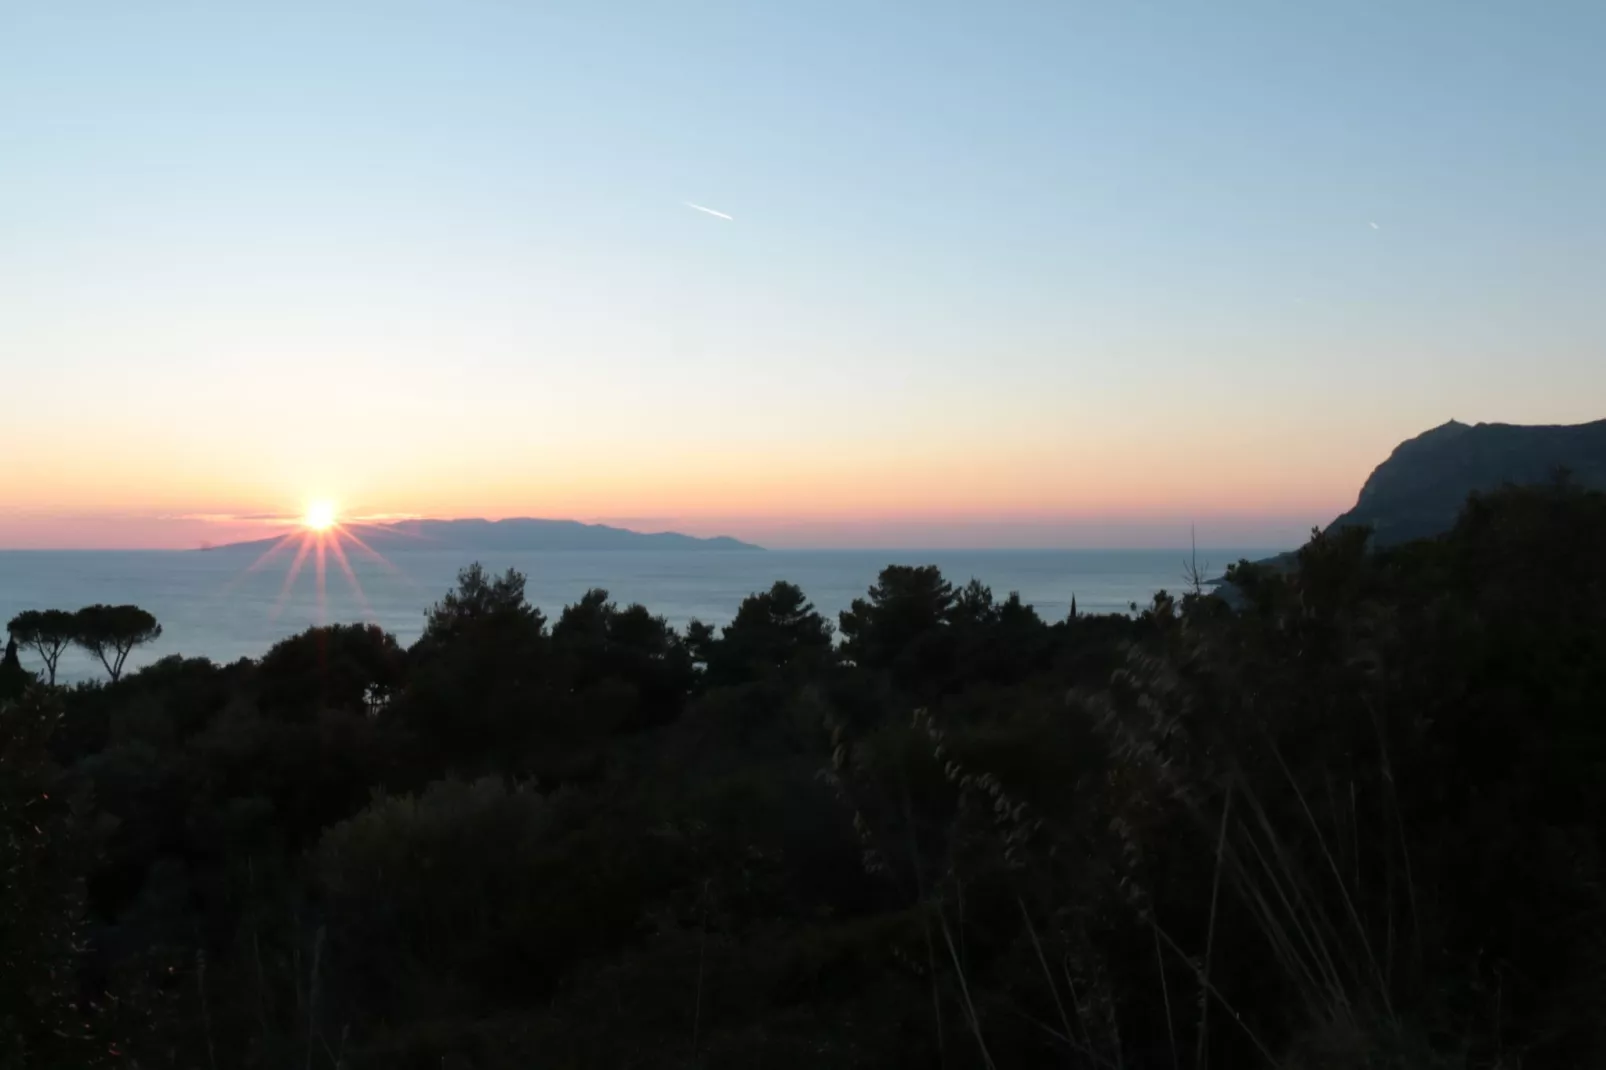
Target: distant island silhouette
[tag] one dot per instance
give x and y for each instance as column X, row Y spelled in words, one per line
column 516, row 533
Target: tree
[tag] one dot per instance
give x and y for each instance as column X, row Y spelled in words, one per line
column 47, row 632
column 974, row 606
column 581, row 632
column 354, row 668
column 598, row 643
column 701, row 639
column 14, row 679
column 111, row 632
column 907, row 607
column 992, row 640
column 776, row 628
column 477, row 674
column 481, row 604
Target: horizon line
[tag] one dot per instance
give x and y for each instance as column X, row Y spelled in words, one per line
column 751, row 547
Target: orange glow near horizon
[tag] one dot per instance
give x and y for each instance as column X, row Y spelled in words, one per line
column 707, row 467
column 857, row 487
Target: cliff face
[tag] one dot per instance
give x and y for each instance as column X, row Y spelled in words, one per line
column 1420, row 489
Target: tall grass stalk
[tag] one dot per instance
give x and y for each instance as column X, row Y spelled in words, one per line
column 964, row 990
column 1165, row 990
column 1338, row 879
column 1210, row 933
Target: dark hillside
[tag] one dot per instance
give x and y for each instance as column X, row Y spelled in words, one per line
column 1420, row 488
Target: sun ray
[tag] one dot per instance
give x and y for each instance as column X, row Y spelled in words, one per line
column 320, row 535
column 351, row 578
column 321, row 538
column 290, row 576
column 271, row 552
column 267, row 557
column 378, row 557
column 397, row 529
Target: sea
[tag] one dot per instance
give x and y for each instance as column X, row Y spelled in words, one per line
column 224, row 604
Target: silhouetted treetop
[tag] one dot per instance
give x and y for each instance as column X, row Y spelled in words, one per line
column 47, row 632
column 350, row 667
column 482, row 604
column 595, row 642
column 772, row 629
column 110, row 633
column 904, row 604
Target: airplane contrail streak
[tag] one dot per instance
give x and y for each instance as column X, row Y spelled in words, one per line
column 710, row 211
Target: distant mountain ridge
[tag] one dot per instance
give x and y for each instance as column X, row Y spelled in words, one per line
column 514, row 534
column 1420, row 489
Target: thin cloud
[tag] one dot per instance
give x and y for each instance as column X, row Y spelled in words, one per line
column 710, row 211
column 1374, row 226
column 287, row 518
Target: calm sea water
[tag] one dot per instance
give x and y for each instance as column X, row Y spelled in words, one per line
column 212, row 605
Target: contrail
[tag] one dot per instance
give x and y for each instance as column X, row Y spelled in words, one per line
column 710, row 211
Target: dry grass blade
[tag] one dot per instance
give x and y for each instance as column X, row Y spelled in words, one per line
column 1165, row 990
column 1210, row 932
column 1042, row 961
column 1399, row 827
column 1315, row 967
column 964, row 990
column 1210, row 989
column 1338, row 878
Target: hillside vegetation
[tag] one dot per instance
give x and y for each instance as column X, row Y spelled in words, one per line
column 1356, row 824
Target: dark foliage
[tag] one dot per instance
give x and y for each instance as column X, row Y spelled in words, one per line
column 110, row 633
column 1355, row 823
column 353, row 668
column 14, row 679
column 477, row 676
column 774, row 633
column 636, row 664
column 47, row 632
column 47, row 848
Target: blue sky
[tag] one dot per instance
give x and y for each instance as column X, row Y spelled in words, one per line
column 1034, row 263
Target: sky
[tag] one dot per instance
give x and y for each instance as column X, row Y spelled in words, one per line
column 1047, row 274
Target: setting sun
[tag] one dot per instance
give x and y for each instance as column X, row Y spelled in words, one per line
column 320, row 516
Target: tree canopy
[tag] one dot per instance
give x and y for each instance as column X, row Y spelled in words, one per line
column 482, row 606
column 356, row 668
column 47, row 632
column 110, row 633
